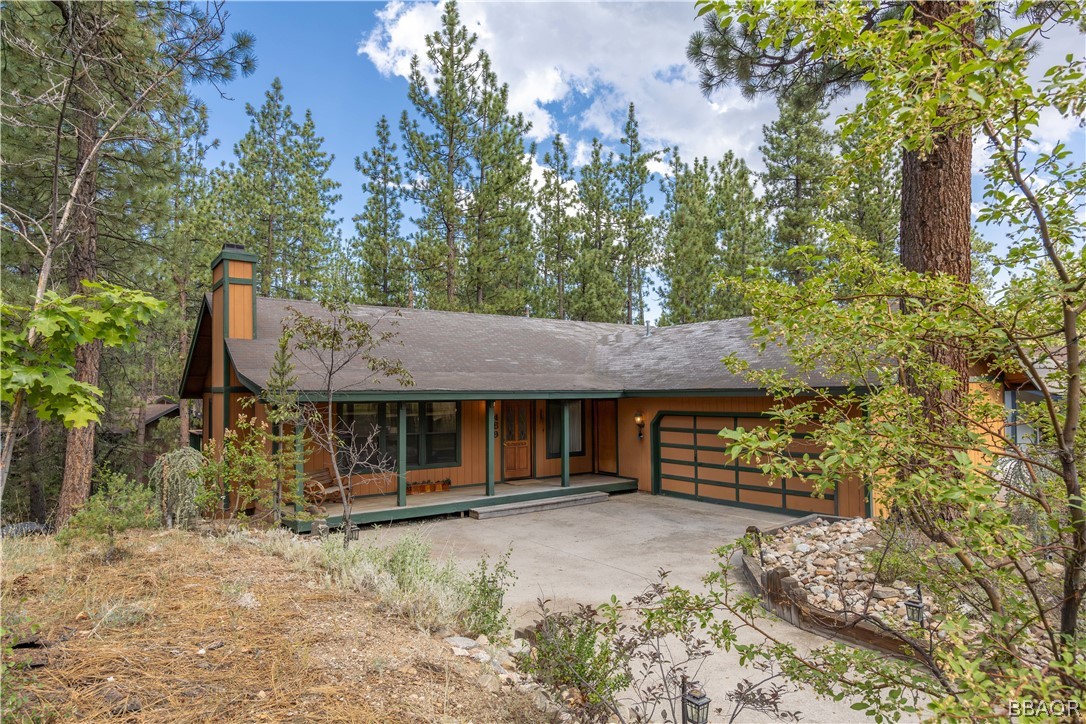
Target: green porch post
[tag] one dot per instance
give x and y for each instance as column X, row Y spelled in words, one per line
column 299, row 469
column 401, row 476
column 490, row 447
column 565, row 443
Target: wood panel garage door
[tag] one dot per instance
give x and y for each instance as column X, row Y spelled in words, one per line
column 689, row 461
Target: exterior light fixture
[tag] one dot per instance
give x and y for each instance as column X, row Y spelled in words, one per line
column 639, row 420
column 695, row 704
column 914, row 607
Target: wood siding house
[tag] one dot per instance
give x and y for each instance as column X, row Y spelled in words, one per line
column 513, row 408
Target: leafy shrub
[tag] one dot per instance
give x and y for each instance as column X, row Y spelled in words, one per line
column 577, row 650
column 175, row 477
column 485, row 597
column 895, row 559
column 118, row 505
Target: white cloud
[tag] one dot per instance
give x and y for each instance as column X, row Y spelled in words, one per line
column 574, row 67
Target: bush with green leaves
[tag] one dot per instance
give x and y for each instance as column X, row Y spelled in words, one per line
column 176, row 480
column 118, row 504
column 578, row 649
column 484, row 594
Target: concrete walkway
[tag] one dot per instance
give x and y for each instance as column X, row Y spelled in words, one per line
column 586, row 554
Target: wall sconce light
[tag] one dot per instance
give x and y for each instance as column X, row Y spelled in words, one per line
column 639, row 420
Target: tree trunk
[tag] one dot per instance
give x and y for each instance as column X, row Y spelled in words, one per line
column 936, row 192
column 183, row 354
column 83, row 265
column 35, row 490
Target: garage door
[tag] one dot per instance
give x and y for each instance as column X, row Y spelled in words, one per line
column 689, row 461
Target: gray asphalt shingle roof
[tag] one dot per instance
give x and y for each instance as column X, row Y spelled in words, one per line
column 463, row 352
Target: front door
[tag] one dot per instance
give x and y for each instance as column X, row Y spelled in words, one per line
column 516, row 416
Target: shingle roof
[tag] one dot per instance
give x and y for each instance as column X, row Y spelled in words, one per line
column 458, row 352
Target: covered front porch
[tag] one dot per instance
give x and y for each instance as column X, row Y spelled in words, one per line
column 374, row 509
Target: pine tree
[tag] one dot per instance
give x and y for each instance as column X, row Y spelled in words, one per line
column 743, row 232
column 870, row 203
column 278, row 200
column 595, row 294
column 798, row 162
column 497, row 269
column 556, row 230
column 634, row 229
column 689, row 244
column 379, row 252
column 437, row 145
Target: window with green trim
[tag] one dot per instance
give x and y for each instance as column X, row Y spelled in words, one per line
column 433, row 433
column 554, row 428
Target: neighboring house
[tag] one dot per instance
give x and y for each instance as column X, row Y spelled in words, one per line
column 516, row 407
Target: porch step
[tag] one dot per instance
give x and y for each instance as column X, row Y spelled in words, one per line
column 534, row 506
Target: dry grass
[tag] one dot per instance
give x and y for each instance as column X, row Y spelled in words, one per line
column 184, row 628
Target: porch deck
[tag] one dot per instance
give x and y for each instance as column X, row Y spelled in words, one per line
column 383, row 509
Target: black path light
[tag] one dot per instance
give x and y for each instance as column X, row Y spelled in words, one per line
column 914, row 607
column 695, row 704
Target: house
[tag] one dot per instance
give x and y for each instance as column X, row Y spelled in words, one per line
column 514, row 408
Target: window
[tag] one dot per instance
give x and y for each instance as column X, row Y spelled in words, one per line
column 433, row 433
column 554, row 428
column 1017, row 429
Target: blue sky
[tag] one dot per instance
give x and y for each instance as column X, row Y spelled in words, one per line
column 571, row 67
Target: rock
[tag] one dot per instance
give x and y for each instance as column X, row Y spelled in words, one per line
column 816, row 533
column 490, row 682
column 822, row 548
column 483, row 640
column 823, row 572
column 883, row 592
column 457, row 651
column 802, row 548
column 519, row 646
column 462, row 642
column 481, row 656
column 851, row 577
column 891, row 601
column 498, row 668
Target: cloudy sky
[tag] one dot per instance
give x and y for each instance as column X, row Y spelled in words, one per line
column 571, row 67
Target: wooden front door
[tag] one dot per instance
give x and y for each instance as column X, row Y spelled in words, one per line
column 516, row 419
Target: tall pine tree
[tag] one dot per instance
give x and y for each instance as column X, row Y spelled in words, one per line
column 689, row 244
column 798, row 160
column 497, row 269
column 437, row 143
column 595, row 294
column 634, row 228
column 277, row 199
column 556, row 231
column 742, row 231
column 379, row 252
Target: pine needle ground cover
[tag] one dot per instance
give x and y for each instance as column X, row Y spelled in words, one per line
column 188, row 628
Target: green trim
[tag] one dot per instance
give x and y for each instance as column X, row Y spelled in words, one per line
column 236, row 255
column 401, row 451
column 584, row 422
column 737, row 504
column 383, row 425
column 192, row 347
column 565, row 441
column 233, row 280
column 443, row 395
column 490, row 447
column 658, row 461
column 388, row 515
column 440, row 396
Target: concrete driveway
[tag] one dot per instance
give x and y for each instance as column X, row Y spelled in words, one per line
column 585, row 554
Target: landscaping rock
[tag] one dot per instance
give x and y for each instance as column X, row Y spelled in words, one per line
column 481, row 656
column 462, row 642
column 490, row 682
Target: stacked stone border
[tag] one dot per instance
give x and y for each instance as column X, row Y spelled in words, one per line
column 785, row 596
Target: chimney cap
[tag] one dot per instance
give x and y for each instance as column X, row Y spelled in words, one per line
column 235, row 252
